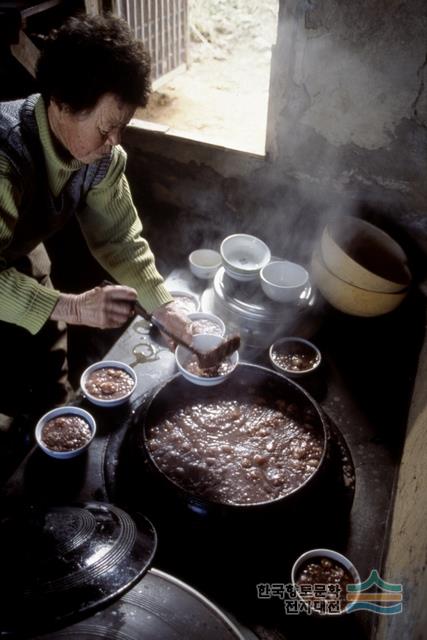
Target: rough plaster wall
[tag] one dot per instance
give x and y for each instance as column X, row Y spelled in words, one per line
column 188, row 205
column 364, row 81
column 407, row 556
column 348, row 114
column 349, row 103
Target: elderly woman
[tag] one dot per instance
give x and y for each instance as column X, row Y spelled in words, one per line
column 60, row 157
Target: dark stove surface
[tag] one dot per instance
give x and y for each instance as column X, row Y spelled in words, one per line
column 365, row 388
column 226, row 558
column 152, row 605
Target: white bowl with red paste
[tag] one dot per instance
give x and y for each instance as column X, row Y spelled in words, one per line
column 108, row 383
column 203, row 322
column 320, row 578
column 188, row 365
column 186, row 301
column 65, row 432
column 295, row 357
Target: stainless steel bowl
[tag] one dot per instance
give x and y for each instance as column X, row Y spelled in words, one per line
column 245, row 308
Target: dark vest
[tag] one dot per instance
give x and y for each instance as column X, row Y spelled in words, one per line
column 40, row 213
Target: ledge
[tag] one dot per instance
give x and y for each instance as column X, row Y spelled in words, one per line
column 194, row 137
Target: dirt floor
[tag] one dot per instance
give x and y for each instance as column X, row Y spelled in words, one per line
column 223, row 95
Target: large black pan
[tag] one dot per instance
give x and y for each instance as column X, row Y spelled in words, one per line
column 247, row 381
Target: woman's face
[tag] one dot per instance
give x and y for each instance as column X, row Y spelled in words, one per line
column 90, row 134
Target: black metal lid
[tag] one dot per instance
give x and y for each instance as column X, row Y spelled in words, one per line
column 58, row 563
column 159, row 607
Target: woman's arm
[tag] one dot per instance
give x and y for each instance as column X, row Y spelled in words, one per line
column 23, row 301
column 112, row 229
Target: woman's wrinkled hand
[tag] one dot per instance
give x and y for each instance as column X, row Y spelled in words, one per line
column 175, row 321
column 102, row 307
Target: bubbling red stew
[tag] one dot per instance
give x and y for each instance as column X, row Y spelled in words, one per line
column 237, row 451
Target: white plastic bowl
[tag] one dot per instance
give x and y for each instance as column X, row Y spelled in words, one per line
column 283, row 281
column 243, row 256
column 333, row 555
column 204, row 263
column 186, row 301
column 211, row 318
column 203, row 342
column 107, row 364
column 64, row 411
column 300, row 343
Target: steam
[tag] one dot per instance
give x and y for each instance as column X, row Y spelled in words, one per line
column 336, row 141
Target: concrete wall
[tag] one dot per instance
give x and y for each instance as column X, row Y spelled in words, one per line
column 407, row 555
column 347, row 133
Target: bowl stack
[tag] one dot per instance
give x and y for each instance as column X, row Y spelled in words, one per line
column 359, row 269
column 243, row 256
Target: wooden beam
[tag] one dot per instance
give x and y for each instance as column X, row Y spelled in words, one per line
column 26, row 53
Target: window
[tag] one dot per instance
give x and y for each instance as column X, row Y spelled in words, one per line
column 211, row 66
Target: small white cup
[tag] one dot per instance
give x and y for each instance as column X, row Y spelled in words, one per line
column 283, row 281
column 204, row 263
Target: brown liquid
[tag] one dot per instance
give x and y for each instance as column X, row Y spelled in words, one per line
column 237, row 451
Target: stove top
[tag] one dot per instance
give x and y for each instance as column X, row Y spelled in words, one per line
column 210, row 552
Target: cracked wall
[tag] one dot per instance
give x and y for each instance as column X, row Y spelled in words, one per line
column 351, row 106
column 347, row 132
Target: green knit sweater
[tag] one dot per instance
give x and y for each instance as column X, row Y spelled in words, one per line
column 109, row 223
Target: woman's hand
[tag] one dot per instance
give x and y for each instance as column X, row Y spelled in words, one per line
column 102, row 307
column 174, row 321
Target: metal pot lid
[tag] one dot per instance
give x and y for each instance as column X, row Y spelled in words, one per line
column 58, row 563
column 159, row 607
column 248, row 300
